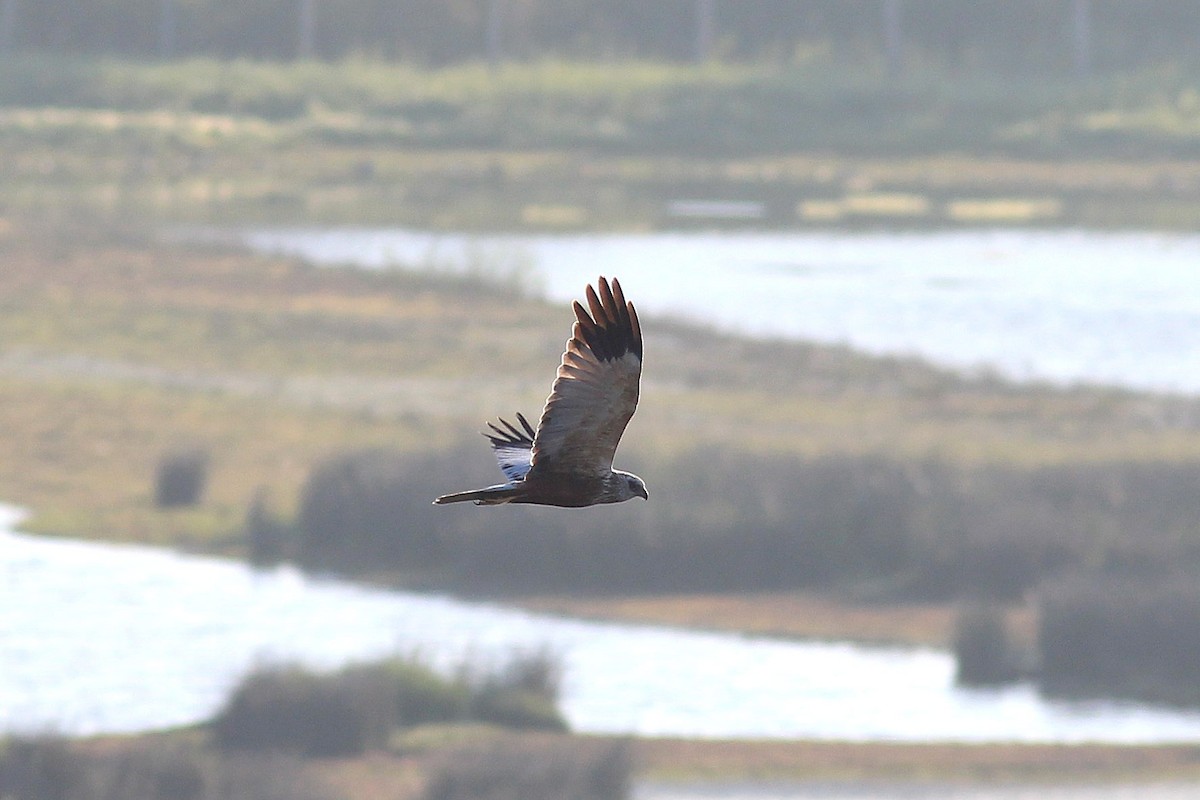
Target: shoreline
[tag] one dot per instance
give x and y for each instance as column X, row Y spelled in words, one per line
column 538, row 263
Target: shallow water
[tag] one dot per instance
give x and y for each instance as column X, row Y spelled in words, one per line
column 1119, row 309
column 102, row 638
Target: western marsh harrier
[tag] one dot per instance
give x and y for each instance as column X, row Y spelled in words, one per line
column 567, row 461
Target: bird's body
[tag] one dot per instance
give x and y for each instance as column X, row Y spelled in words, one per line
column 577, row 494
column 567, row 461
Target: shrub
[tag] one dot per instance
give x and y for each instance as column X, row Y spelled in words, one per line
column 422, row 695
column 521, row 694
column 983, row 649
column 534, row 671
column 923, row 531
column 516, row 708
column 784, row 522
column 181, row 477
column 292, row 710
column 359, row 511
column 267, row 536
column 1121, row 635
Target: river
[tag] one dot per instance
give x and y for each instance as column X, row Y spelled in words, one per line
column 1119, row 309
column 98, row 637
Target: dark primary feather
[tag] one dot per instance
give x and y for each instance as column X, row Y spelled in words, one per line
column 610, row 331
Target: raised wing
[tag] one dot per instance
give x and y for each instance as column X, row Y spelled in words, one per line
column 596, row 388
column 513, row 447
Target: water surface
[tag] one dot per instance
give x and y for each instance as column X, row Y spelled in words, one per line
column 101, row 637
column 1120, row 309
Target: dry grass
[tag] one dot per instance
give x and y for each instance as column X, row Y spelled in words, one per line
column 600, row 145
column 985, row 763
column 785, row 614
column 117, row 351
column 350, row 168
column 402, row 770
column 117, row 348
column 373, row 776
column 82, row 457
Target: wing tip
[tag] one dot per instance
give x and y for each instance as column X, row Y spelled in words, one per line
column 608, row 325
column 510, row 434
column 529, row 429
column 635, row 328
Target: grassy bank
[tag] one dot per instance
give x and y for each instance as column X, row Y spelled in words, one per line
column 393, row 728
column 472, row 754
column 627, row 105
column 571, row 145
column 117, row 349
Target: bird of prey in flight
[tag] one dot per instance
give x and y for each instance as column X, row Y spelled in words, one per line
column 567, row 461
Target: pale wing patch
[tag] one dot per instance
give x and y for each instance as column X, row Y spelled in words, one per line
column 512, row 447
column 514, row 461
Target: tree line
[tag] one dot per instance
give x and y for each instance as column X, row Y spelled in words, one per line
column 1007, row 34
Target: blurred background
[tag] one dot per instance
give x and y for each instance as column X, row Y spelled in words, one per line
column 919, row 415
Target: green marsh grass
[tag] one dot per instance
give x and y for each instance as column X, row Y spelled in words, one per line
column 571, row 145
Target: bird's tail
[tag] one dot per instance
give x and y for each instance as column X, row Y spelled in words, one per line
column 491, row 496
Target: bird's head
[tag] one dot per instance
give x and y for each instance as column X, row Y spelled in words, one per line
column 630, row 486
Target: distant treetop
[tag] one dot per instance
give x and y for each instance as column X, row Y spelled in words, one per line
column 1019, row 35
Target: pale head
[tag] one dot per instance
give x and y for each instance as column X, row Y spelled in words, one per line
column 624, row 486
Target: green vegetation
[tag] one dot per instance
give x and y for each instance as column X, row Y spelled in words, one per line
column 1133, row 634
column 878, row 528
column 349, row 499
column 559, row 144
column 360, row 707
column 180, row 478
column 983, row 648
column 283, row 727
column 267, row 536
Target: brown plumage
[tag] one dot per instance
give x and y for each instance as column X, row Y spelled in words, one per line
column 567, row 461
